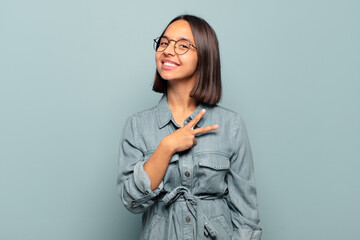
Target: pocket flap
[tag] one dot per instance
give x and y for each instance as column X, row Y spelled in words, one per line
column 174, row 158
column 214, row 161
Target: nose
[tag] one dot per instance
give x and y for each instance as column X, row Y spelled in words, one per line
column 170, row 50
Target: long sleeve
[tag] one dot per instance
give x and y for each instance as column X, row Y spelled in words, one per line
column 242, row 197
column 133, row 182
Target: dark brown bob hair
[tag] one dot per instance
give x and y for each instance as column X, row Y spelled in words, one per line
column 207, row 87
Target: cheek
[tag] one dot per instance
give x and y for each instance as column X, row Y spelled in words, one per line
column 194, row 63
column 157, row 59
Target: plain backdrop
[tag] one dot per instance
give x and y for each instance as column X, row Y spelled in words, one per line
column 71, row 72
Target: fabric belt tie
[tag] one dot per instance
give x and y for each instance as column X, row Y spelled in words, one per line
column 195, row 207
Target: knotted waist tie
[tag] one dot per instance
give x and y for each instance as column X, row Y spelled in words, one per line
column 202, row 222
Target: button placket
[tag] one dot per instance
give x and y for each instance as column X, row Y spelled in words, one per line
column 185, row 169
column 187, row 227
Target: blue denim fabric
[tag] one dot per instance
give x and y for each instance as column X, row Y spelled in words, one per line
column 208, row 191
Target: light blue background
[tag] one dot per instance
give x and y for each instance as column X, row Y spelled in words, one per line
column 72, row 71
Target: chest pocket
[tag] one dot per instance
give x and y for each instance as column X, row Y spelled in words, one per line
column 212, row 170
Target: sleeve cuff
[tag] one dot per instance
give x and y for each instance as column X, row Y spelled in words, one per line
column 247, row 234
column 142, row 180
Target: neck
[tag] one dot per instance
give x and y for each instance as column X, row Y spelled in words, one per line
column 179, row 100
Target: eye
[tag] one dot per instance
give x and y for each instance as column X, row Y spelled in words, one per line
column 184, row 46
column 163, row 42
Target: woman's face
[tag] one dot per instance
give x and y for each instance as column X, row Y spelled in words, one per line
column 185, row 64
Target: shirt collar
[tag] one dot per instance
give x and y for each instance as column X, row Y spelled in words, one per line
column 165, row 114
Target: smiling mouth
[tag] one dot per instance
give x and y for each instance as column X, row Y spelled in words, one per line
column 169, row 64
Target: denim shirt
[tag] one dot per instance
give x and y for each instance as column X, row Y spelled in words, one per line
column 208, row 190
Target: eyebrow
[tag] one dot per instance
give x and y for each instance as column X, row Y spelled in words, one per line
column 182, row 38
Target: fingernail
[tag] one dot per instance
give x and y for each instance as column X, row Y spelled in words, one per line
column 203, row 110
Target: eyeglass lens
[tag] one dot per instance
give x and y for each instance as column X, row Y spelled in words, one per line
column 181, row 46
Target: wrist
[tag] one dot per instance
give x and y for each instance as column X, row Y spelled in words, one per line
column 167, row 146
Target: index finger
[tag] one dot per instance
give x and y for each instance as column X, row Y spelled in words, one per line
column 206, row 129
column 196, row 119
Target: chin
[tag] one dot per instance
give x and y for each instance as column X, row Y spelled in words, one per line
column 166, row 76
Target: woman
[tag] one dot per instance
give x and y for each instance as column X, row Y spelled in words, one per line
column 186, row 164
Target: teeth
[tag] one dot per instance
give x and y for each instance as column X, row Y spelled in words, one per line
column 169, row 64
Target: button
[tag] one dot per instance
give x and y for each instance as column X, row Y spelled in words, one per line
column 133, row 203
column 188, row 119
column 187, row 219
column 187, row 174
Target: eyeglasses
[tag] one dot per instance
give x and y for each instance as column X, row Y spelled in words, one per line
column 181, row 46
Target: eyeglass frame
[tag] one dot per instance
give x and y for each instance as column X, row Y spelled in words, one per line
column 156, row 44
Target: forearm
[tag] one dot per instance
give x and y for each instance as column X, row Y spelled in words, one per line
column 157, row 164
